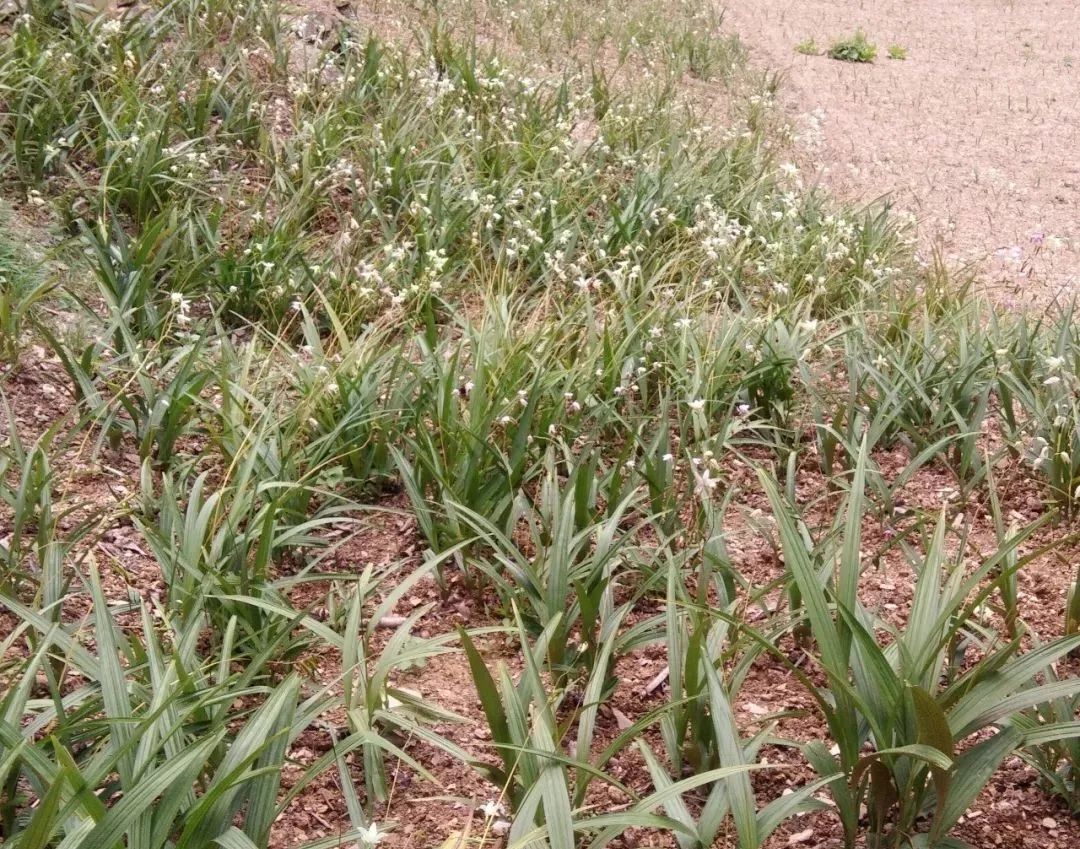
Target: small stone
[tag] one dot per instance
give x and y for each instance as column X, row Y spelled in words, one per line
column 1049, row 822
column 800, row 837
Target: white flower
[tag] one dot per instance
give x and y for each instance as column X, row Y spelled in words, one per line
column 706, row 483
column 667, row 458
column 742, row 409
column 491, row 809
column 1054, row 363
column 696, row 404
column 181, row 303
column 371, row 835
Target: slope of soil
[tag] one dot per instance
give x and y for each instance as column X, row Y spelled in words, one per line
column 974, row 133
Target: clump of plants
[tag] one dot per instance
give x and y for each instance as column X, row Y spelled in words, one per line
column 390, row 351
column 808, row 47
column 856, row 48
column 20, row 286
column 897, row 51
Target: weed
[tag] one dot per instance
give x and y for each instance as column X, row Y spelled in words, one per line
column 855, row 48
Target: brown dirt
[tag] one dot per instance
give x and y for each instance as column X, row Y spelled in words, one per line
column 974, row 133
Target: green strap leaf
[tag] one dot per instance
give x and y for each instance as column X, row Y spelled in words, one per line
column 969, row 775
column 933, row 730
column 139, row 799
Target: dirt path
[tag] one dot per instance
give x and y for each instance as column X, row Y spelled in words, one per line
column 977, row 132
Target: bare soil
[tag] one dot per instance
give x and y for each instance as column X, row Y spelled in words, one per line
column 975, row 133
